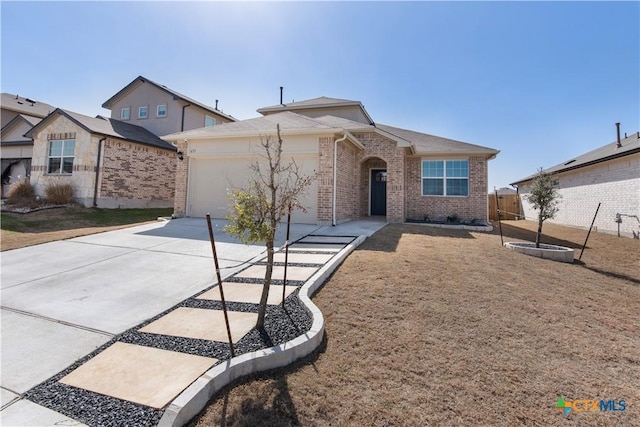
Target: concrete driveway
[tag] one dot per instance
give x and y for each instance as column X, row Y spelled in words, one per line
column 62, row 300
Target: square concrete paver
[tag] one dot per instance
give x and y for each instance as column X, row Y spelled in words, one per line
column 203, row 324
column 144, row 375
column 327, row 239
column 298, row 258
column 293, row 273
column 316, row 247
column 243, row 292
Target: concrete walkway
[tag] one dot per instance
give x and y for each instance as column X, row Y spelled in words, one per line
column 63, row 300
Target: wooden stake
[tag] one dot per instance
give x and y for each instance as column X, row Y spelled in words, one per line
column 224, row 303
column 286, row 258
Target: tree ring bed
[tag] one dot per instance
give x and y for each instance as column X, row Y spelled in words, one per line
column 553, row 252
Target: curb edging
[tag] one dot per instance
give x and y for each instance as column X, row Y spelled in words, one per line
column 195, row 397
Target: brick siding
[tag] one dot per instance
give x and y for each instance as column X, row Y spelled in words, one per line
column 378, row 148
column 615, row 183
column 137, row 172
column 439, row 207
column 181, row 184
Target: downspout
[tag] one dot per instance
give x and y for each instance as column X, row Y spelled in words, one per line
column 335, row 176
column 95, row 190
column 183, row 108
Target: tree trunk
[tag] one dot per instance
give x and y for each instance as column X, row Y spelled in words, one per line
column 262, row 309
column 539, row 233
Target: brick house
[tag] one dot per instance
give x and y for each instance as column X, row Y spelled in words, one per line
column 609, row 175
column 110, row 163
column 361, row 168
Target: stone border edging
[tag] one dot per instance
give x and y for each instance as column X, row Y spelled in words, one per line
column 195, row 397
column 546, row 251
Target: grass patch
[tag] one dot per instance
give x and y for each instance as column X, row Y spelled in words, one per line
column 20, row 230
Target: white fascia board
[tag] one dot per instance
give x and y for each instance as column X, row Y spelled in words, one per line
column 489, row 156
column 245, row 134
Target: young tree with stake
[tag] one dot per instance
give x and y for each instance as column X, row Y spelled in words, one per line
column 545, row 198
column 273, row 189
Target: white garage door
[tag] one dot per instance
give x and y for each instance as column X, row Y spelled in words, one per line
column 210, row 179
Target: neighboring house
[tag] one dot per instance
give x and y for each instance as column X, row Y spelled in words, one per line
column 362, row 168
column 19, row 115
column 110, row 163
column 609, row 175
column 161, row 110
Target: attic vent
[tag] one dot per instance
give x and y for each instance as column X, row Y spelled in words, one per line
column 569, row 162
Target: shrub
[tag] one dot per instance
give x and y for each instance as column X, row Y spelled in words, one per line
column 21, row 191
column 59, row 193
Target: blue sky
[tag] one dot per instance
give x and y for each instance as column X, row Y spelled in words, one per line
column 540, row 81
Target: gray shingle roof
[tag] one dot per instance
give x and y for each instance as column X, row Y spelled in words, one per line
column 630, row 145
column 320, row 102
column 431, row 144
column 21, row 105
column 292, row 122
column 109, row 127
column 289, row 122
column 107, row 104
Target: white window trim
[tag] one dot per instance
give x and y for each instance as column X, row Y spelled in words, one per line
column 128, row 110
column 158, row 111
column 209, row 117
column 140, row 109
column 444, row 178
column 61, row 157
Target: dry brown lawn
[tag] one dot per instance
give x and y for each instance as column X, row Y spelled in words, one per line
column 427, row 326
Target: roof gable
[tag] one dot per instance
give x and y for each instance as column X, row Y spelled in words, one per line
column 15, row 130
column 176, row 95
column 629, row 145
column 319, row 103
column 107, row 127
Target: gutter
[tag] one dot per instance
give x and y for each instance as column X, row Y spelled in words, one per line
column 184, row 107
column 335, row 175
column 95, row 189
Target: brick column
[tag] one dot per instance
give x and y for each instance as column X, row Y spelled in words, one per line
column 182, row 177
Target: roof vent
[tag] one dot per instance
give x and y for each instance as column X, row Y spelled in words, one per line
column 569, row 162
column 619, row 144
column 281, row 88
column 30, row 101
column 216, row 104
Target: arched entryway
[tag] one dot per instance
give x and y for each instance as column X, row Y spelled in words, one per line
column 373, row 189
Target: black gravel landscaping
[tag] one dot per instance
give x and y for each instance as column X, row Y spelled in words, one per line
column 96, row 409
column 93, row 409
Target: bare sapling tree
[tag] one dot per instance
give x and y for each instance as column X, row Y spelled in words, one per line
column 545, row 198
column 274, row 188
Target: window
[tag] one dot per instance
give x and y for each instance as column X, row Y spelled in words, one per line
column 125, row 113
column 61, row 156
column 143, row 112
column 445, row 177
column 209, row 121
column 161, row 111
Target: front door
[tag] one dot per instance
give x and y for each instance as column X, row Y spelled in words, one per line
column 378, row 192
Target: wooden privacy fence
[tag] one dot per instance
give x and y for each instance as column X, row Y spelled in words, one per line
column 508, row 203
